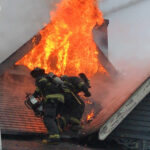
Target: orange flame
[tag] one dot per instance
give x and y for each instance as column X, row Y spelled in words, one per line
column 67, row 45
column 88, row 102
column 90, row 116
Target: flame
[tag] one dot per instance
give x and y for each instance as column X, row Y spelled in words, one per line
column 67, row 45
column 90, row 116
column 88, row 102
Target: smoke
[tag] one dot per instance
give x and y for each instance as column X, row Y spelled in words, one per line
column 129, row 52
column 128, row 38
column 129, row 48
column 20, row 20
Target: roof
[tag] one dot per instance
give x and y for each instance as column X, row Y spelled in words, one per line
column 15, row 82
column 15, row 118
column 111, row 103
column 14, row 115
column 119, row 102
column 113, row 96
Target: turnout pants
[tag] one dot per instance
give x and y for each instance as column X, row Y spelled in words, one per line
column 73, row 109
column 50, row 116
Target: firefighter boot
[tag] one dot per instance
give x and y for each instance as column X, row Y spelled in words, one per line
column 52, row 139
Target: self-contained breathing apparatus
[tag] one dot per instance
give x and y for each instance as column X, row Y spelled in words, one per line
column 35, row 104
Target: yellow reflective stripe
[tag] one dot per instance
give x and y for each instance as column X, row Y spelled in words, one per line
column 64, row 121
column 43, row 79
column 65, row 82
column 57, row 136
column 80, row 84
column 59, row 124
column 59, row 97
column 37, row 89
column 48, row 84
column 67, row 90
column 75, row 120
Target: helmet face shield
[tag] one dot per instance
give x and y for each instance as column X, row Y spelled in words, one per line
column 37, row 72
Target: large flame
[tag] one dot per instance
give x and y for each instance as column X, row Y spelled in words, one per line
column 67, row 45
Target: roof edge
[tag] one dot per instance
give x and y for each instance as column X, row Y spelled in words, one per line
column 126, row 108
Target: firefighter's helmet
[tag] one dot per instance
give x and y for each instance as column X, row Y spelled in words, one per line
column 51, row 75
column 36, row 72
column 85, row 79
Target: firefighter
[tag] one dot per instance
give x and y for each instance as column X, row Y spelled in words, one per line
column 74, row 106
column 52, row 96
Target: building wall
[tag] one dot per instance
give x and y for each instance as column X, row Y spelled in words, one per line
column 139, row 118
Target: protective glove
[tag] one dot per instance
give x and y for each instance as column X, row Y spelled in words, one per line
column 87, row 94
